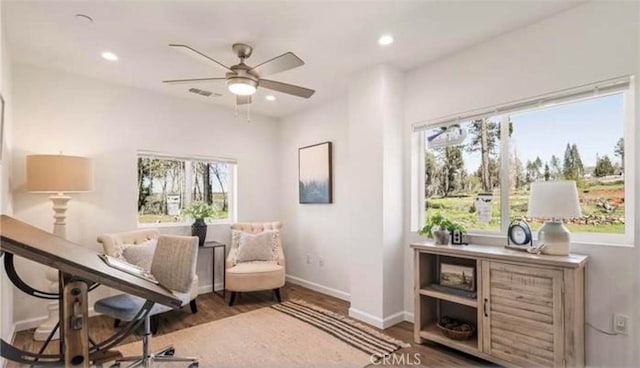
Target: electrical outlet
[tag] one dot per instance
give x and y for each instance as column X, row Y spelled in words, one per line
column 308, row 258
column 621, row 324
column 321, row 262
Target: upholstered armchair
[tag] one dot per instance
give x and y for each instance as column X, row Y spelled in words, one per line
column 255, row 275
column 114, row 245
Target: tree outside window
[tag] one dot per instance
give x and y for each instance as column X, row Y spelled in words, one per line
column 166, row 186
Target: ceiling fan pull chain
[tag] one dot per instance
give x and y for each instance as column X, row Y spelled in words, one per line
column 235, row 109
column 248, row 113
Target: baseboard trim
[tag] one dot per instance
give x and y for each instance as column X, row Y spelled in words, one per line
column 319, row 288
column 365, row 317
column 387, row 322
column 204, row 289
column 409, row 317
column 393, row 319
column 26, row 324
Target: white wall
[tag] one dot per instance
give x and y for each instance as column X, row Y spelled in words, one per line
column 359, row 236
column 591, row 42
column 6, row 287
column 81, row 116
column 375, row 191
column 318, row 230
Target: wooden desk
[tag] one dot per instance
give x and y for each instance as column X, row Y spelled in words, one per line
column 78, row 266
column 213, row 245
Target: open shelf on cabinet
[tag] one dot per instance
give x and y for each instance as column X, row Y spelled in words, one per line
column 429, row 291
column 433, row 333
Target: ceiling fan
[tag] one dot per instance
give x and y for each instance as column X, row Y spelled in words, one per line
column 243, row 80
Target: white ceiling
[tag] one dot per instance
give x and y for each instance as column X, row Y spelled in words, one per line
column 334, row 38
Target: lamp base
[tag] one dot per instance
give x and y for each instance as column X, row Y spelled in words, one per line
column 556, row 238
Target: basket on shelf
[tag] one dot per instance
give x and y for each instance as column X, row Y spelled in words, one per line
column 456, row 329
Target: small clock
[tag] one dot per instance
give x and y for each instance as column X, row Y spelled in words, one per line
column 519, row 235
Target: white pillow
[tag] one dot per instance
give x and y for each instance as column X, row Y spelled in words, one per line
column 141, row 254
column 256, row 247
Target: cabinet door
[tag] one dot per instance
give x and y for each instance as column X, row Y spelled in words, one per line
column 523, row 319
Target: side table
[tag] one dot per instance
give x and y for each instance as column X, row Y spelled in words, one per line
column 214, row 245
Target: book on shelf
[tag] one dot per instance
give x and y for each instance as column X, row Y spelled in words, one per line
column 459, row 292
column 128, row 268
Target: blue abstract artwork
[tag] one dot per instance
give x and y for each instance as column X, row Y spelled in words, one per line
column 314, row 173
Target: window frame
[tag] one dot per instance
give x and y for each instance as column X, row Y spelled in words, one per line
column 188, row 173
column 502, row 113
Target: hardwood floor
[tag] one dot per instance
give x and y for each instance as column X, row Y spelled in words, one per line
column 211, row 307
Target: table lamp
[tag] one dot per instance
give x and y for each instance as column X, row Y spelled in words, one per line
column 59, row 175
column 554, row 201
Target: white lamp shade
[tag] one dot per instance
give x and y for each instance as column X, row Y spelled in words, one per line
column 554, row 199
column 59, row 174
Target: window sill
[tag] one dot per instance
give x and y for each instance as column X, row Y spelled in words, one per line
column 178, row 224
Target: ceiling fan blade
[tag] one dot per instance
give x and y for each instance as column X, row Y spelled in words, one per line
column 243, row 100
column 278, row 64
column 286, row 88
column 198, row 55
column 192, row 81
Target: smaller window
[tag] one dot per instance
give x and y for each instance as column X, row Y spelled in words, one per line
column 168, row 185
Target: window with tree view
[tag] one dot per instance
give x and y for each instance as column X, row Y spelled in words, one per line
column 167, row 185
column 467, row 164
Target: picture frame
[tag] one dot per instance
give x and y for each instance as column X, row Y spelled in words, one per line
column 458, row 276
column 315, row 177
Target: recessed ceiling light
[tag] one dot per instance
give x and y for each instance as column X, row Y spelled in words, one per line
column 385, row 40
column 110, row 56
column 270, row 97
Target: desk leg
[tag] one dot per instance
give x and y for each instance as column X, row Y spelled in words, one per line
column 75, row 319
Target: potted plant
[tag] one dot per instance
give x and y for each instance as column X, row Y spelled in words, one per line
column 439, row 227
column 199, row 211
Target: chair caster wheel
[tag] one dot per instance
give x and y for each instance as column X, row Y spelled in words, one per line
column 170, row 352
column 194, row 365
column 115, row 365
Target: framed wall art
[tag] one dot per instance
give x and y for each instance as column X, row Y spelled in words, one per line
column 314, row 173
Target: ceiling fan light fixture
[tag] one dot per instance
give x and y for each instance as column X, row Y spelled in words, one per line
column 242, row 86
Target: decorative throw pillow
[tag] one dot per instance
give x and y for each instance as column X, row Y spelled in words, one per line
column 141, row 254
column 256, row 247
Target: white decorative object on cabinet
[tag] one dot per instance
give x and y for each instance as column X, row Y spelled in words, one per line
column 528, row 309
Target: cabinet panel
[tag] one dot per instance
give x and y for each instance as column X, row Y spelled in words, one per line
column 523, row 319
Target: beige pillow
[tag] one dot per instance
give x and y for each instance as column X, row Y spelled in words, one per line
column 141, row 254
column 256, row 247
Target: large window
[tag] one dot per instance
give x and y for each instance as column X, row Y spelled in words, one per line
column 167, row 185
column 478, row 171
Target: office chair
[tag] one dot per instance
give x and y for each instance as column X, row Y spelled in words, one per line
column 174, row 266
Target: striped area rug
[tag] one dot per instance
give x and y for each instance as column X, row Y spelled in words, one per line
column 356, row 334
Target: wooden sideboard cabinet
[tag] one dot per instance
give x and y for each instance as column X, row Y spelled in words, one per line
column 528, row 309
